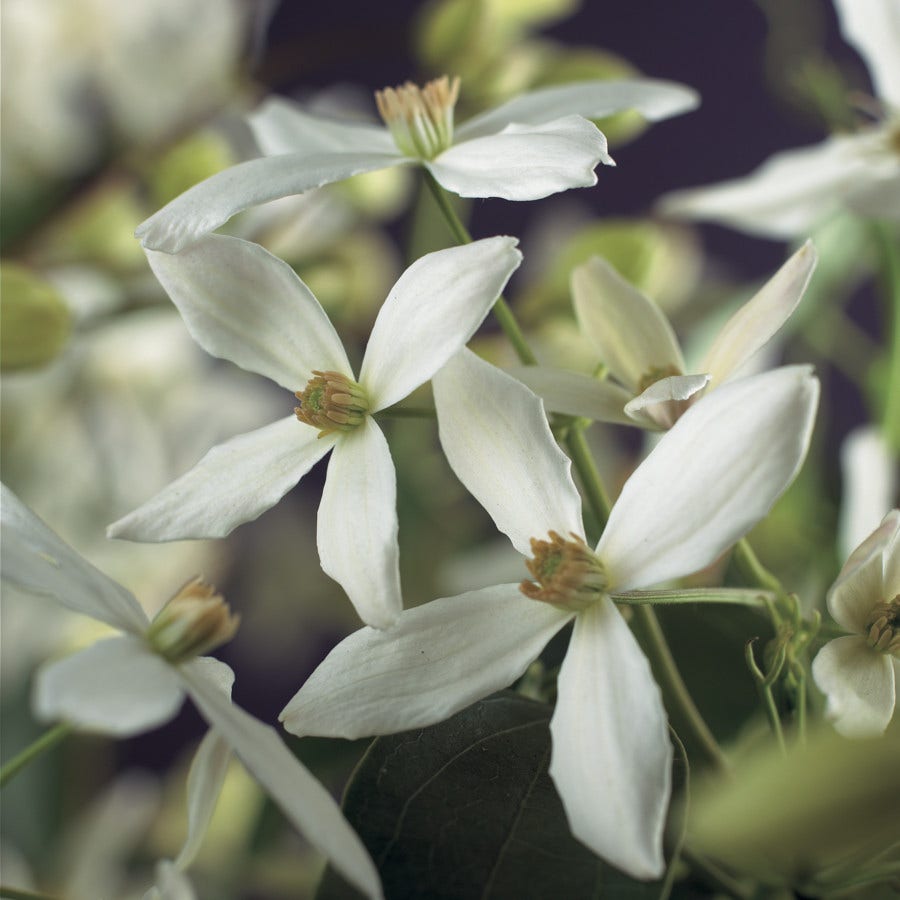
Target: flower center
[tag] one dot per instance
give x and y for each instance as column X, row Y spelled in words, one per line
column 331, row 402
column 567, row 572
column 420, row 119
column 195, row 621
column 883, row 627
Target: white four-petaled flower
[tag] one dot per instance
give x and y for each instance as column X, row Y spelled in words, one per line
column 858, row 672
column 534, row 145
column 711, row 477
column 125, row 685
column 243, row 304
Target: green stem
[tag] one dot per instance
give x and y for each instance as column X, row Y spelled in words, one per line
column 733, row 596
column 748, row 562
column 502, row 313
column 890, row 264
column 9, row 893
column 587, row 472
column 44, row 742
column 406, row 412
column 714, row 876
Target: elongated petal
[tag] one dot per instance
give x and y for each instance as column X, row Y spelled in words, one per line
column 430, row 314
column 234, row 483
column 357, row 525
column 243, row 304
column 713, row 475
column 36, row 559
column 859, row 683
column 206, row 206
column 653, row 99
column 204, row 784
column 281, row 126
column 497, row 440
column 873, row 28
column 787, row 194
column 631, row 333
column 435, row 661
column 308, row 806
column 855, row 594
column 116, row 686
column 524, row 162
column 612, row 760
column 575, row 394
column 754, row 324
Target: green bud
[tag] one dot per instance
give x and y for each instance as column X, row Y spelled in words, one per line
column 34, row 319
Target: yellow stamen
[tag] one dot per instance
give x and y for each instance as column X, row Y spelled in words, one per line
column 420, row 119
column 331, row 402
column 567, row 572
column 883, row 627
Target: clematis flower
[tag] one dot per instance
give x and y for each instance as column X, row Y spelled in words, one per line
column 794, row 189
column 243, row 304
column 638, row 346
column 858, row 672
column 128, row 684
column 710, row 478
column 530, row 147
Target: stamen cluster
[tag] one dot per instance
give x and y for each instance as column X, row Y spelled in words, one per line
column 420, row 119
column 883, row 627
column 568, row 573
column 331, row 402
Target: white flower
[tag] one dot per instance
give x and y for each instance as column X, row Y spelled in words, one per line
column 138, row 680
column 710, row 478
column 243, row 304
column 639, row 348
column 528, row 148
column 794, row 189
column 858, row 672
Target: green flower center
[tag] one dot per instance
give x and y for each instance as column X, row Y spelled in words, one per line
column 420, row 119
column 566, row 573
column 331, row 402
column 883, row 627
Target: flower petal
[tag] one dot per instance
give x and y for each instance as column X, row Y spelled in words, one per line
column 171, row 884
column 575, row 394
column 497, row 440
column 116, row 686
column 309, row 807
column 612, row 759
column 430, row 314
column 754, row 324
column 435, row 661
column 859, row 683
column 206, row 206
column 652, row 98
column 650, row 407
column 631, row 333
column 711, row 477
column 234, row 483
column 243, row 304
column 860, row 587
column 873, row 28
column 524, row 162
column 357, row 524
column 281, row 126
column 787, row 194
column 37, row 560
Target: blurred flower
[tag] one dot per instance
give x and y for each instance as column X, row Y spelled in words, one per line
column 709, row 479
column 128, row 684
column 228, row 289
column 640, row 350
column 858, row 672
column 794, row 189
column 532, row 146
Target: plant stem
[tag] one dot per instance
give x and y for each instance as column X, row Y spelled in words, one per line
column 502, row 312
column 8, row 893
column 890, row 266
column 406, row 412
column 748, row 562
column 587, row 472
column 714, row 876
column 44, row 742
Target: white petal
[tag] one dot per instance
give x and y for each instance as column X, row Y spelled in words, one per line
column 435, row 661
column 859, row 683
column 171, row 884
column 711, row 477
column 787, row 194
column 234, row 483
column 36, row 559
column 575, row 394
column 754, row 324
column 116, row 686
column 650, row 408
column 612, row 760
column 430, row 314
column 631, row 333
column 281, row 126
column 204, row 784
column 497, row 440
column 524, row 162
column 653, row 99
column 891, row 561
column 304, row 801
column 357, row 524
column 878, row 197
column 873, row 28
column 243, row 304
column 206, row 206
